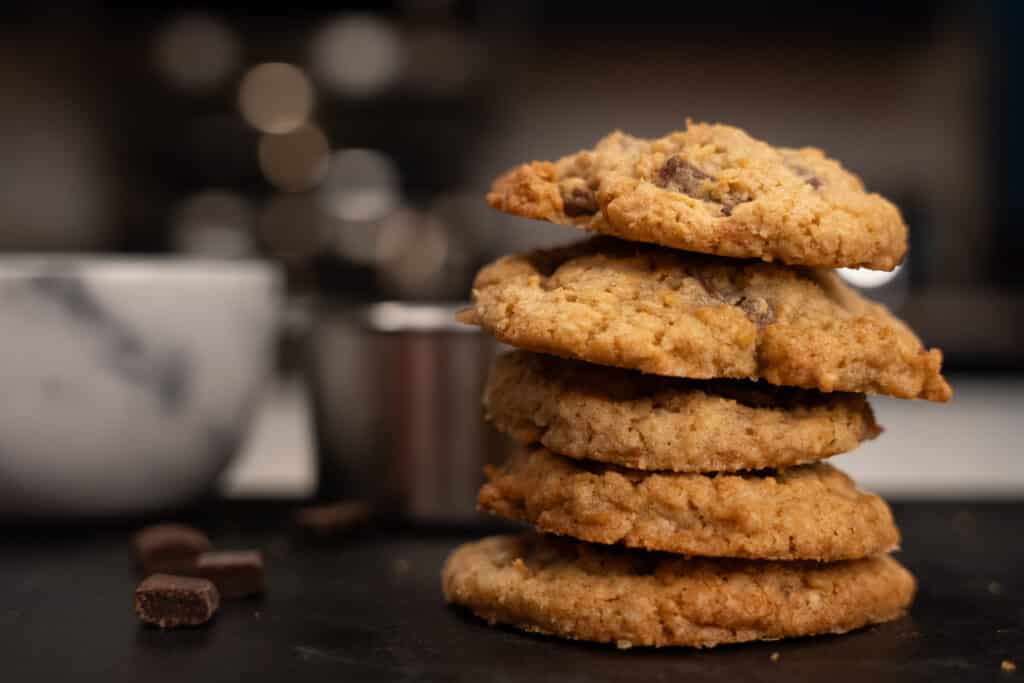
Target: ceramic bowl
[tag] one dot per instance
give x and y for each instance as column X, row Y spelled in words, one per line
column 128, row 383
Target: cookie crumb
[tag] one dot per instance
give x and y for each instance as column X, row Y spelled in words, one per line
column 1007, row 666
column 775, row 656
column 623, row 644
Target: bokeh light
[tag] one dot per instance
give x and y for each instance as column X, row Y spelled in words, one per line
column 412, row 249
column 360, row 185
column 442, row 61
column 357, row 55
column 354, row 241
column 275, row 97
column 468, row 219
column 288, row 228
column 196, row 51
column 214, row 223
column 295, row 161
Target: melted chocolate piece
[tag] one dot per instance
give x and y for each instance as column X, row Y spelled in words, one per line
column 682, row 176
column 579, row 201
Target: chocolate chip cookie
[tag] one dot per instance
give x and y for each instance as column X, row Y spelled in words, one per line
column 680, row 314
column 634, row 598
column 713, row 189
column 810, row 512
column 649, row 422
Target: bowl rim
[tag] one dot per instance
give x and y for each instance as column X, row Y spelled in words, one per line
column 398, row 317
column 28, row 265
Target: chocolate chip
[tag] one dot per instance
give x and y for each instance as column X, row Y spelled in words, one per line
column 731, row 200
column 579, row 201
column 172, row 601
column 708, row 283
column 758, row 310
column 682, row 176
column 807, row 175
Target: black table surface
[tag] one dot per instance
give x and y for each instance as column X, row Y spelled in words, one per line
column 369, row 609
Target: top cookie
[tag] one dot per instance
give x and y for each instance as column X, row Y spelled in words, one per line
column 716, row 190
column 674, row 313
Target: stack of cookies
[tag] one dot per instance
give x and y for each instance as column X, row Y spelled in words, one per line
column 676, row 395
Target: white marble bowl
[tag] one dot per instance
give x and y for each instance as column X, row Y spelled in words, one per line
column 127, row 383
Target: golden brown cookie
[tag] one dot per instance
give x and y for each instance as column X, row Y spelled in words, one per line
column 649, row 422
column 713, row 189
column 674, row 313
column 633, row 598
column 810, row 512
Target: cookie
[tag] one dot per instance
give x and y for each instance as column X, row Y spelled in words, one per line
column 713, row 189
column 809, row 512
column 674, row 313
column 632, row 598
column 649, row 422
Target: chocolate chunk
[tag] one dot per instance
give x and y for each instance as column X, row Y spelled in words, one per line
column 235, row 573
column 707, row 281
column 334, row 518
column 807, row 175
column 577, row 198
column 169, row 548
column 731, row 199
column 682, row 176
column 580, row 202
column 171, row 601
column 758, row 310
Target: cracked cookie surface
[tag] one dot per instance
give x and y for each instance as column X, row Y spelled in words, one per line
column 810, row 512
column 674, row 313
column 713, row 189
column 647, row 422
column 633, row 598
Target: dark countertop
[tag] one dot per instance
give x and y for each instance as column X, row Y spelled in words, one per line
column 369, row 609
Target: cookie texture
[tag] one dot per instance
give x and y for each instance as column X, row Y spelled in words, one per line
column 649, row 422
column 713, row 189
column 632, row 598
column 811, row 512
column 674, row 313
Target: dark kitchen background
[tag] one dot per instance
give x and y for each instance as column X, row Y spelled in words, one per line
column 352, row 143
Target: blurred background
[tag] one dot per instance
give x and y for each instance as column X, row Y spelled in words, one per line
column 351, row 144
